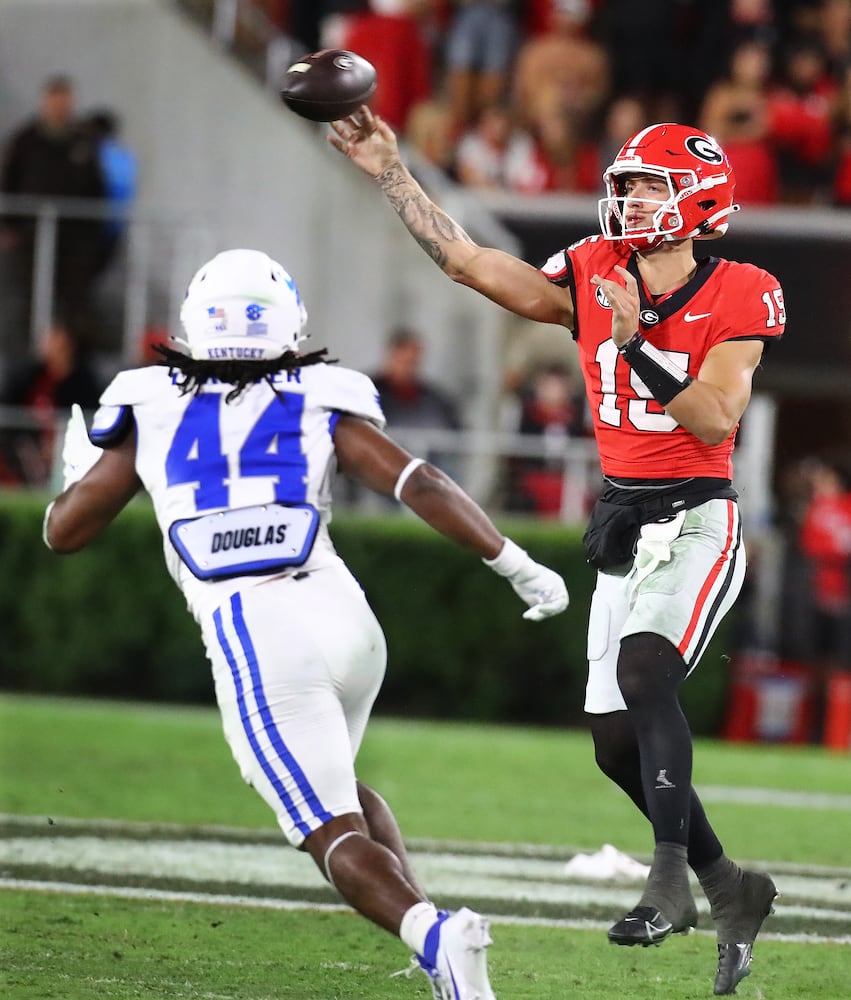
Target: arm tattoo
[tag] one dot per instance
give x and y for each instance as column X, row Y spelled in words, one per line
column 430, row 226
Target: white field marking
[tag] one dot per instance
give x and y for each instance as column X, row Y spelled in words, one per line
column 774, row 797
column 141, row 830
column 530, row 880
column 264, row 903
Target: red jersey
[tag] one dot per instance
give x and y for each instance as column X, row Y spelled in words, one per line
column 724, row 300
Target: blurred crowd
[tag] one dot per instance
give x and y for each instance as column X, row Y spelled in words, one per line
column 61, row 152
column 814, row 515
column 46, row 362
column 537, row 95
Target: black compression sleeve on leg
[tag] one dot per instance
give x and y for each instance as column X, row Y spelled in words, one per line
column 650, row 671
column 617, row 756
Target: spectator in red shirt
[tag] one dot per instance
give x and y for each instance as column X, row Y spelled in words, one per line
column 389, row 35
column 45, row 386
column 735, row 112
column 842, row 174
column 800, row 110
column 825, row 538
column 552, row 408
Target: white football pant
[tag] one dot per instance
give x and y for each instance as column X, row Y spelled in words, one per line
column 297, row 664
column 685, row 577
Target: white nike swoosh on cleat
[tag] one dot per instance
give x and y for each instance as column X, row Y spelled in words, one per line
column 637, row 920
column 689, row 318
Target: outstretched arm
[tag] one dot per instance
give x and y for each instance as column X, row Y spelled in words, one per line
column 85, row 508
column 368, row 455
column 512, row 283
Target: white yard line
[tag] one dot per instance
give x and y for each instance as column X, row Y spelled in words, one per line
column 258, row 902
column 104, row 852
column 774, row 797
column 484, row 876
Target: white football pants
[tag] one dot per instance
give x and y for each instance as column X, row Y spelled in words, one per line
column 297, row 665
column 685, row 577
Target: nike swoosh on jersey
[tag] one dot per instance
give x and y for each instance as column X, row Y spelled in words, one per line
column 689, row 318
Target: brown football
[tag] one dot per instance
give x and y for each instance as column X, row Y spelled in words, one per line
column 327, row 85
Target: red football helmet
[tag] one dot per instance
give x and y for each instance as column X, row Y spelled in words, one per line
column 700, row 186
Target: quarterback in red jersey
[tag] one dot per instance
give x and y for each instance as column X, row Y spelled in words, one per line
column 723, row 301
column 668, row 344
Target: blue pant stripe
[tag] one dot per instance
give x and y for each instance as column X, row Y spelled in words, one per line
column 283, row 794
column 280, row 747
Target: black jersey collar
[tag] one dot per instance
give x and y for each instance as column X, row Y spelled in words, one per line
column 652, row 313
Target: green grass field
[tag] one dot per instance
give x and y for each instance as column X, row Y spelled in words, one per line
column 492, row 813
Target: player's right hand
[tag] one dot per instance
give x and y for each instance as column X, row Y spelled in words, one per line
column 78, row 453
column 366, row 140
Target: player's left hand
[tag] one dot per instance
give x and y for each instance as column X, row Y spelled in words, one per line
column 540, row 587
column 78, row 453
column 543, row 590
column 625, row 304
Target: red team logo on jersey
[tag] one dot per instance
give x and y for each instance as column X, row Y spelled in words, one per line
column 725, row 300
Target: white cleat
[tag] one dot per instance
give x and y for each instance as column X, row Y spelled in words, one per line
column 460, row 971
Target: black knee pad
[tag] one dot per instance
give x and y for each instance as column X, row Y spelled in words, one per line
column 650, row 669
column 615, row 745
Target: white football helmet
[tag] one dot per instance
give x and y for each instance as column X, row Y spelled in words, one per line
column 242, row 306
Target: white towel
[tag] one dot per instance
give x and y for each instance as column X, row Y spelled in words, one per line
column 607, row 863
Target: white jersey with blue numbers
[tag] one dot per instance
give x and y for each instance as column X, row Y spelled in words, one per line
column 239, row 488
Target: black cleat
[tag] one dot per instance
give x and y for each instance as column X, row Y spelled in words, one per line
column 734, row 963
column 645, row 925
column 748, row 912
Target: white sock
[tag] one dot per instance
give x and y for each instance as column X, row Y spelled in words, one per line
column 416, row 923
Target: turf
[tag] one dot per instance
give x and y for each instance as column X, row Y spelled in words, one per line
column 88, row 760
column 92, row 759
column 87, row 948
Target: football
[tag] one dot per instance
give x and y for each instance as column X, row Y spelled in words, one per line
column 328, row 85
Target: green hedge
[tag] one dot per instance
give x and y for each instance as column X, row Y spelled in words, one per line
column 110, row 621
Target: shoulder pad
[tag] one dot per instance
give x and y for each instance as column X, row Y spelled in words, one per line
column 135, row 385
column 114, row 417
column 556, row 266
column 346, row 391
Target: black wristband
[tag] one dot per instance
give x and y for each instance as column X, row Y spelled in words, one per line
column 662, row 377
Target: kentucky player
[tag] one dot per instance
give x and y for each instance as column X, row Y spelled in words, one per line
column 236, row 441
column 668, row 345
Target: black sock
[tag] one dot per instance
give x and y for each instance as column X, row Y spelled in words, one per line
column 667, row 888
column 739, row 900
